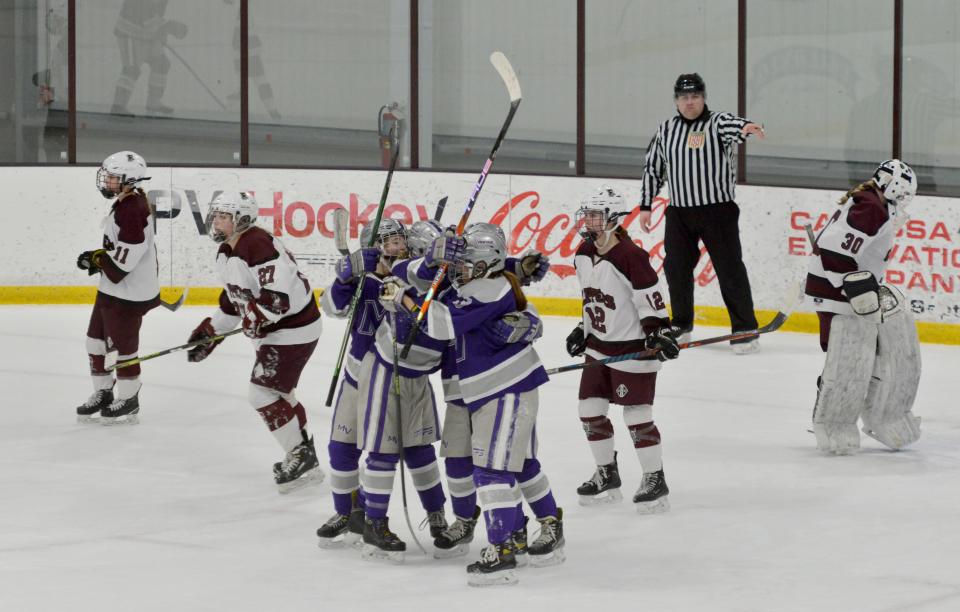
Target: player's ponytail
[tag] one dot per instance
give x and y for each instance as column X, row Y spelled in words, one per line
column 868, row 184
column 518, row 295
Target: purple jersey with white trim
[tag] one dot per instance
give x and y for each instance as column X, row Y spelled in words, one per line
column 487, row 367
column 336, row 303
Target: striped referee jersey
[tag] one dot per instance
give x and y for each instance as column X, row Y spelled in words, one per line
column 694, row 158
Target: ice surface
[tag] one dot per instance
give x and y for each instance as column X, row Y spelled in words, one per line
column 180, row 512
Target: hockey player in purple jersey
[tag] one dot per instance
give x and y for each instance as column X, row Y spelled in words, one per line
column 498, row 384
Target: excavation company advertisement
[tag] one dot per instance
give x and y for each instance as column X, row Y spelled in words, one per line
column 61, row 211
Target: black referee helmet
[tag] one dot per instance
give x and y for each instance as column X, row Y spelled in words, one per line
column 689, row 83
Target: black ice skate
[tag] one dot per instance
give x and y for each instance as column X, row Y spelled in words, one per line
column 497, row 566
column 121, row 412
column 332, row 533
column 604, row 487
column 547, row 549
column 519, row 538
column 381, row 544
column 455, row 540
column 651, row 497
column 438, row 523
column 87, row 412
column 299, row 467
column 354, row 535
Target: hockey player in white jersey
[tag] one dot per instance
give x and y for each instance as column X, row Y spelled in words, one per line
column 623, row 312
column 127, row 290
column 872, row 367
column 265, row 292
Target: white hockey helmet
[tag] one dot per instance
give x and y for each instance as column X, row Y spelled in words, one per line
column 421, row 235
column 129, row 167
column 391, row 250
column 606, row 200
column 897, row 181
column 241, row 206
column 484, row 255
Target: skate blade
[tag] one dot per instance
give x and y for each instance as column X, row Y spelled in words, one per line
column 331, row 543
column 523, row 559
column 128, row 419
column 460, row 550
column 501, row 578
column 353, row 540
column 610, row 496
column 314, row 476
column 657, row 506
column 369, row 552
column 88, row 419
column 556, row 557
column 745, row 348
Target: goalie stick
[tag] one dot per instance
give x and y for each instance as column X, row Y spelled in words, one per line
column 776, row 323
column 502, row 65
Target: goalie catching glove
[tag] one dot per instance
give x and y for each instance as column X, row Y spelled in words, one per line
column 861, row 289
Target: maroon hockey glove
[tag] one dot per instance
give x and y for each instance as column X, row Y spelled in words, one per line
column 202, row 351
column 254, row 322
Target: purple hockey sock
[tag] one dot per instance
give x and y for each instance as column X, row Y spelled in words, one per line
column 425, row 473
column 536, row 490
column 463, row 493
column 344, row 474
column 377, row 483
column 499, row 495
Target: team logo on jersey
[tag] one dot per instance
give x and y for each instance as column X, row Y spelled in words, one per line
column 622, row 391
column 695, row 140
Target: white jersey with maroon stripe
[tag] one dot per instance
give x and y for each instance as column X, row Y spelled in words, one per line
column 129, row 267
column 259, row 269
column 858, row 236
column 622, row 302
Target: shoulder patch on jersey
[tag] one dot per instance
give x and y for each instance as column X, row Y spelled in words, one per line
column 868, row 213
column 255, row 247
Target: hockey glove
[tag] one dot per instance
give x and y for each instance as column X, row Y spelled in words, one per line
column 254, row 322
column 517, row 327
column 664, row 342
column 446, row 249
column 861, row 290
column 392, row 293
column 90, row 261
column 533, row 267
column 202, row 351
column 357, row 263
column 576, row 341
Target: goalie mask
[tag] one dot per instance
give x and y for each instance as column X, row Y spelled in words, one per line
column 242, row 209
column 897, row 181
column 599, row 213
column 120, row 170
column 421, row 235
column 484, row 255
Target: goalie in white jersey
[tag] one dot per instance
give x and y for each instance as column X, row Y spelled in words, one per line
column 266, row 293
column 872, row 368
column 128, row 290
column 623, row 312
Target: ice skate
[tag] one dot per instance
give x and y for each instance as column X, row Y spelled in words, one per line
column 121, row 412
column 437, row 521
column 455, row 540
column 381, row 544
column 88, row 411
column 745, row 346
column 299, row 468
column 547, row 549
column 651, row 497
column 604, row 487
column 497, row 566
column 519, row 538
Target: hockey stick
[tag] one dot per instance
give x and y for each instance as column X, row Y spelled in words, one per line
column 813, row 239
column 341, row 223
column 174, row 306
column 188, row 345
column 776, row 323
column 355, row 300
column 440, row 206
column 505, row 70
column 403, row 457
column 196, row 76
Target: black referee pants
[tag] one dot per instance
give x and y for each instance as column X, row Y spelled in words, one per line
column 717, row 225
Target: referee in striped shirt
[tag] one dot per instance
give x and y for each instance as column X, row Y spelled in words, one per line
column 692, row 152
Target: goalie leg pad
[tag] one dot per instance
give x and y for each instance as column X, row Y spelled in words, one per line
column 845, row 380
column 887, row 416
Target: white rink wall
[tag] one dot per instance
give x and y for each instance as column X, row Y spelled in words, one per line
column 52, row 214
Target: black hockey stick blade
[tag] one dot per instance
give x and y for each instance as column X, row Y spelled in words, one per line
column 440, row 206
column 174, row 306
column 341, row 229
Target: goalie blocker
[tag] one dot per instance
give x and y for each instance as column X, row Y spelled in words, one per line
column 871, row 373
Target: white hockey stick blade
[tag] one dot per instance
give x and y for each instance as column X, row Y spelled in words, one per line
column 503, row 67
column 341, row 229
